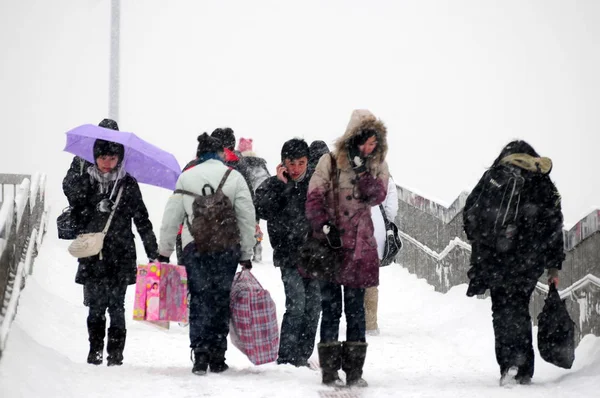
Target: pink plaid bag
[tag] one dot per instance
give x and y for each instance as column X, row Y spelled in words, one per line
column 253, row 327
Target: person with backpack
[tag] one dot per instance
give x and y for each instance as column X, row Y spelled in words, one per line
column 390, row 207
column 218, row 234
column 107, row 192
column 281, row 201
column 341, row 193
column 514, row 222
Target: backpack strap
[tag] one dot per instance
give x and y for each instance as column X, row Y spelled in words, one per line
column 184, row 192
column 224, row 178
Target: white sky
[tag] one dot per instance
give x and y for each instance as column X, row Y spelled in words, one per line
column 453, row 80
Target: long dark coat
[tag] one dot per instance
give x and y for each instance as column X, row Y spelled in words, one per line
column 119, row 254
column 282, row 206
column 538, row 238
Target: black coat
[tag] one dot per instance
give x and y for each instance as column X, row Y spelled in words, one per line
column 538, row 242
column 283, row 207
column 119, row 254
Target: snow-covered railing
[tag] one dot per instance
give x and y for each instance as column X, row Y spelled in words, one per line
column 436, row 249
column 22, row 226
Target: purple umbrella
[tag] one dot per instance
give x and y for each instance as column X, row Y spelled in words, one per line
column 147, row 163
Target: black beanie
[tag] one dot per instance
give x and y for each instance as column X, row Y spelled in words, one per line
column 109, row 124
column 207, row 144
column 226, row 136
column 294, row 149
column 108, row 148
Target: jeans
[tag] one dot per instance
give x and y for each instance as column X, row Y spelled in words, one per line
column 209, row 285
column 301, row 318
column 354, row 309
column 102, row 295
column 512, row 327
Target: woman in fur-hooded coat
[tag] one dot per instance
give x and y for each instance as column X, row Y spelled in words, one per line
column 362, row 175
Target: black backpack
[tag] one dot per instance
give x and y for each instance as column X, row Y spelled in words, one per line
column 492, row 219
column 214, row 226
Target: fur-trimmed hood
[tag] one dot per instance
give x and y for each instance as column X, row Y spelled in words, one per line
column 362, row 119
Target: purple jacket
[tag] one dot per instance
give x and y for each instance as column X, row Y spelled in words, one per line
column 360, row 267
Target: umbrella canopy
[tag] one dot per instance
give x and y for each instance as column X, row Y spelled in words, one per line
column 145, row 162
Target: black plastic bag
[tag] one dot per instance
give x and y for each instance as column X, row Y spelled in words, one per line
column 556, row 331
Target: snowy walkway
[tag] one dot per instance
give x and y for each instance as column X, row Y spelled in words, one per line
column 431, row 345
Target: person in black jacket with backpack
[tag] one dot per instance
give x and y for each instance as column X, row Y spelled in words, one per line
column 280, row 200
column 514, row 221
column 93, row 195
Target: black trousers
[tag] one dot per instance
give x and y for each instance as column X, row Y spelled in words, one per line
column 353, row 303
column 512, row 326
column 106, row 294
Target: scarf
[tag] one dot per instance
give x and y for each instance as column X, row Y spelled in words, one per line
column 207, row 156
column 105, row 179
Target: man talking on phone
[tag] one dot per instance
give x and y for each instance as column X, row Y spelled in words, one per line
column 280, row 200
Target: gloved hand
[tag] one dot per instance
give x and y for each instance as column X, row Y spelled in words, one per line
column 358, row 163
column 105, row 206
column 162, row 259
column 553, row 277
column 333, row 235
column 246, row 264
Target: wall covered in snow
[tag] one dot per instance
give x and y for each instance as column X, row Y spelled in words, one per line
column 22, row 226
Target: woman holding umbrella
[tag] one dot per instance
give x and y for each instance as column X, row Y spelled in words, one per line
column 107, row 188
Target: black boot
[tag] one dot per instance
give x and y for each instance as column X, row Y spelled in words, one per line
column 115, row 346
column 96, row 333
column 330, row 357
column 201, row 358
column 217, row 362
column 353, row 360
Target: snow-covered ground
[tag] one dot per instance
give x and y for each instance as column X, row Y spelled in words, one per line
column 431, row 345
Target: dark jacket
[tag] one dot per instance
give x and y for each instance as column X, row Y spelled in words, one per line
column 282, row 206
column 537, row 239
column 119, row 253
column 254, row 170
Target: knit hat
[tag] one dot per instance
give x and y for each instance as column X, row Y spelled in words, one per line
column 108, row 148
column 207, row 144
column 295, row 148
column 109, row 124
column 245, row 144
column 226, row 136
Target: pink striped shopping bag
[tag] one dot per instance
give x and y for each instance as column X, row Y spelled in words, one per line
column 253, row 327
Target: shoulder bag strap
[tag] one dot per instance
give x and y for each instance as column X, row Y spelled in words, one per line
column 335, row 184
column 112, row 213
column 385, row 219
column 184, row 192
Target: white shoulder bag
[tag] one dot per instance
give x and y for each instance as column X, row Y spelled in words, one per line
column 91, row 244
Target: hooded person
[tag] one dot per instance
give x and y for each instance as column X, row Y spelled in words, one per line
column 210, row 273
column 103, row 189
column 281, row 201
column 362, row 180
column 316, row 150
column 514, row 222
